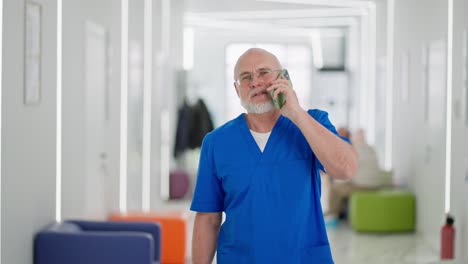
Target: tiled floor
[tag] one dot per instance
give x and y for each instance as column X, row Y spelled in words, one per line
column 349, row 247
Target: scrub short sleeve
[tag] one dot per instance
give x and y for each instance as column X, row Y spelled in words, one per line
column 322, row 118
column 208, row 195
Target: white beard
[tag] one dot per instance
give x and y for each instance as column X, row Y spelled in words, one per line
column 258, row 108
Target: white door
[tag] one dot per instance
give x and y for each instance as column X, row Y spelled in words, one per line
column 96, row 196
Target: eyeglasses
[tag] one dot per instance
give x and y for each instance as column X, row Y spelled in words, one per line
column 246, row 78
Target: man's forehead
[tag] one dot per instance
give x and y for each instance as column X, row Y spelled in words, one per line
column 253, row 68
column 256, row 60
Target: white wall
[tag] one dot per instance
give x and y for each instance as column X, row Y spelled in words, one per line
column 75, row 15
column 459, row 197
column 381, row 27
column 167, row 54
column 418, row 147
column 167, row 58
column 155, row 164
column 380, row 68
column 135, row 104
column 330, row 92
column 28, row 191
column 28, row 143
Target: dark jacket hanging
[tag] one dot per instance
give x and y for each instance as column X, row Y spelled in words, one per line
column 194, row 122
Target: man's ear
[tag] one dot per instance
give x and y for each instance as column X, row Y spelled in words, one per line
column 237, row 90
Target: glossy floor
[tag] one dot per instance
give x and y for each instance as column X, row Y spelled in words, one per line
column 349, row 247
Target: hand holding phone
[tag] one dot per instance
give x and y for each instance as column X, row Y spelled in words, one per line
column 280, row 100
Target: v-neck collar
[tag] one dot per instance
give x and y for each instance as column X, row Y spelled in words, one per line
column 253, row 147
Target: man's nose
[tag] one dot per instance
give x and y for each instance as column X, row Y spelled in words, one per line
column 256, row 82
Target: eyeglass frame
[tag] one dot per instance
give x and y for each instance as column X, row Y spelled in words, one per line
column 256, row 75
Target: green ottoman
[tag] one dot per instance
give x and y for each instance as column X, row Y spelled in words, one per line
column 382, row 211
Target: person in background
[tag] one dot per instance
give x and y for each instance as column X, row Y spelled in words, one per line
column 262, row 170
column 344, row 132
column 368, row 177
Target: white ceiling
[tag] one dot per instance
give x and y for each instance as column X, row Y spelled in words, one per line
column 303, row 18
column 261, row 5
column 289, row 13
column 239, row 5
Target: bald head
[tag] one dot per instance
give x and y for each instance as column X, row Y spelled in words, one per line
column 255, row 58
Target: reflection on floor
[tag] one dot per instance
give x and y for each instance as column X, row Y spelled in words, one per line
column 349, row 247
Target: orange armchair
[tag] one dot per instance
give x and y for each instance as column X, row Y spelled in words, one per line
column 173, row 232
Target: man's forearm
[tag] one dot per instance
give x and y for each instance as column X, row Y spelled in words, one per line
column 205, row 235
column 337, row 156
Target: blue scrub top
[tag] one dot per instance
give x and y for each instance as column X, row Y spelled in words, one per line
column 271, row 199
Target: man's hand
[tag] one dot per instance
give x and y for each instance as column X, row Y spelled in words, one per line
column 291, row 108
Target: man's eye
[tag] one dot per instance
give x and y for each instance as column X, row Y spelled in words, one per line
column 263, row 73
column 246, row 77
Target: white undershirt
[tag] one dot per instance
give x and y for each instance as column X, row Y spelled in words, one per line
column 261, row 138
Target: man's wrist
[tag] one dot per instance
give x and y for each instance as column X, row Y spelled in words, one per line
column 298, row 115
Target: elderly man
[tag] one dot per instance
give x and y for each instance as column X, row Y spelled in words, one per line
column 262, row 170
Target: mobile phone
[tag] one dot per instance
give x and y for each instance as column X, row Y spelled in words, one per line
column 280, row 100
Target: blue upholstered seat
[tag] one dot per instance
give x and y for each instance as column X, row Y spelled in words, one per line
column 92, row 242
